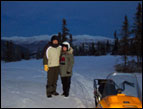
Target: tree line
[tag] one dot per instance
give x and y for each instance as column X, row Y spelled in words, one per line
column 12, row 52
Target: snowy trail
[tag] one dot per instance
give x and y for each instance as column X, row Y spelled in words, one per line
column 23, row 83
column 27, row 93
column 81, row 92
column 25, row 87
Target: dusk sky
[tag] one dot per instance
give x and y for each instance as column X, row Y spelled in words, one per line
column 23, row 18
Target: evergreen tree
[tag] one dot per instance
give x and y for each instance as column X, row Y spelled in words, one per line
column 25, row 54
column 103, row 48
column 60, row 37
column 17, row 53
column 132, row 47
column 71, row 40
column 92, row 49
column 76, row 50
column 137, row 31
column 9, row 51
column 98, row 45
column 65, row 31
column 116, row 44
column 124, row 45
column 107, row 46
column 38, row 54
column 83, row 49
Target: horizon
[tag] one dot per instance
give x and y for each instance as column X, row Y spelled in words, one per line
column 93, row 18
column 46, row 36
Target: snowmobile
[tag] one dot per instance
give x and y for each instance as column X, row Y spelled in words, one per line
column 118, row 90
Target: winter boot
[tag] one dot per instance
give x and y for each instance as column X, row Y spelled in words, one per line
column 49, row 96
column 66, row 95
column 55, row 93
column 63, row 94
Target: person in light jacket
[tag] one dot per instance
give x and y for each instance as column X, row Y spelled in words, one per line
column 51, row 62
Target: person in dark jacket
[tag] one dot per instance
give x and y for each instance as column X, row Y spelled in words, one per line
column 51, row 62
column 66, row 65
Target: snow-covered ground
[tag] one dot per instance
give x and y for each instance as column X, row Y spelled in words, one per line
column 23, row 83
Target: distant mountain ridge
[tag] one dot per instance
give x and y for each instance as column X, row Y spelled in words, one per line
column 36, row 39
column 36, row 44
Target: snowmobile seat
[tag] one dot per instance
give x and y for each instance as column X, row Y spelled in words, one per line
column 109, row 89
column 101, row 85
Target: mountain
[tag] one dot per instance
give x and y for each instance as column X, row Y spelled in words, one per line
column 32, row 43
column 36, row 43
column 77, row 39
column 27, row 40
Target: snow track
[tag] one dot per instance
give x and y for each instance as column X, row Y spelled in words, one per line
column 84, row 91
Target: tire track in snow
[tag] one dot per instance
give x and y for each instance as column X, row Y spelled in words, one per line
column 82, row 90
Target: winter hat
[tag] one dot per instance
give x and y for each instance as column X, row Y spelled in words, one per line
column 54, row 38
column 66, row 44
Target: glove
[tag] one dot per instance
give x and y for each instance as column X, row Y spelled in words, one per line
column 46, row 68
column 68, row 72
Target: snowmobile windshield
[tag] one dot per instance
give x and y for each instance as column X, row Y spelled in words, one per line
column 122, row 83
